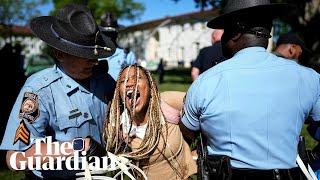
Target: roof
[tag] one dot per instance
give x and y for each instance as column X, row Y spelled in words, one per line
column 17, row 30
column 193, row 17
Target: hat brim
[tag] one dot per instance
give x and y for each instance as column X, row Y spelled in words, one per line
column 41, row 27
column 263, row 11
column 108, row 29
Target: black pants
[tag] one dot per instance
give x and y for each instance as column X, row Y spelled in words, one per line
column 277, row 174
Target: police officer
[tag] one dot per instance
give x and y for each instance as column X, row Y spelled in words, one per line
column 251, row 107
column 66, row 102
column 122, row 57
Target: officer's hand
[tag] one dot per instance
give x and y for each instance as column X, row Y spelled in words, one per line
column 94, row 148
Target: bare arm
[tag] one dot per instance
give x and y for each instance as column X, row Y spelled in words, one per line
column 195, row 73
column 187, row 133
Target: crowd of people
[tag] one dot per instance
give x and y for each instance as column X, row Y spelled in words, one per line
column 248, row 104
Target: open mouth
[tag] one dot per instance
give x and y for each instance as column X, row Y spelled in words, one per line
column 130, row 97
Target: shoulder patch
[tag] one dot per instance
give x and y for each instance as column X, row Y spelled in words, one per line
column 29, row 110
column 22, row 134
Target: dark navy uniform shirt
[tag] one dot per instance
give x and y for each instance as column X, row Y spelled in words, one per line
column 208, row 57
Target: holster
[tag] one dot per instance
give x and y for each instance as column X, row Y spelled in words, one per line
column 219, row 167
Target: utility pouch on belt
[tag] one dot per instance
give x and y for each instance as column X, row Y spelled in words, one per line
column 212, row 167
column 219, row 167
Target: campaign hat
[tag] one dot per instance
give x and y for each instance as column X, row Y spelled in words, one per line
column 109, row 23
column 249, row 10
column 73, row 30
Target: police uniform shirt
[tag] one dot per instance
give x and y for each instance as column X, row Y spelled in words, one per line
column 252, row 108
column 52, row 104
column 118, row 60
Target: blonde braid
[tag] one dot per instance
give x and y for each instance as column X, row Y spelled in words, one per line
column 112, row 131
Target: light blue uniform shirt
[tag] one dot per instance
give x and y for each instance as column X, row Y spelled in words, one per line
column 118, row 60
column 252, row 108
column 63, row 109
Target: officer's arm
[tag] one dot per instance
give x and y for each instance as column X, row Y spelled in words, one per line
column 187, row 133
column 18, row 157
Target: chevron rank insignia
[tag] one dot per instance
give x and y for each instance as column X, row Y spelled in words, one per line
column 29, row 110
column 22, row 134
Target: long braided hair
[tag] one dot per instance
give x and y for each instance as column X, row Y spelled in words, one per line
column 156, row 121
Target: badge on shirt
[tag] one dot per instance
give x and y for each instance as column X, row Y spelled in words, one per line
column 29, row 110
column 22, row 134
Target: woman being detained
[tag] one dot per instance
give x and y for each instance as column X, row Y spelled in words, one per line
column 136, row 128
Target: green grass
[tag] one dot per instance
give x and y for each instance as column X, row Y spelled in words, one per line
column 174, row 80
column 6, row 174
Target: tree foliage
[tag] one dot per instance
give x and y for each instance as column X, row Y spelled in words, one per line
column 17, row 12
column 122, row 9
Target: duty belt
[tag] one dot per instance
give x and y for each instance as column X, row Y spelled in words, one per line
column 276, row 174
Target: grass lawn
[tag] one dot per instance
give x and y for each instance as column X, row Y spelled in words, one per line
column 174, row 80
column 6, row 174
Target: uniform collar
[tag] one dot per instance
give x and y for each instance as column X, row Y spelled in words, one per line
column 118, row 51
column 251, row 50
column 68, row 83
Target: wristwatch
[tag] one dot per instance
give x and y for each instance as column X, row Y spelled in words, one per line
column 78, row 144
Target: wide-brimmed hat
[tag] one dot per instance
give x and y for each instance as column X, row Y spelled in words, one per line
column 73, row 30
column 250, row 9
column 292, row 38
column 109, row 23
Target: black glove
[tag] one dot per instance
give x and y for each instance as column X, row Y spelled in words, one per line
column 96, row 149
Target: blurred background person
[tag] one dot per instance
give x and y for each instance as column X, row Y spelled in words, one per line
column 122, row 57
column 208, row 56
column 291, row 46
column 160, row 71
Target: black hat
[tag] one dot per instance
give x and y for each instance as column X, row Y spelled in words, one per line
column 73, row 30
column 291, row 38
column 250, row 9
column 109, row 23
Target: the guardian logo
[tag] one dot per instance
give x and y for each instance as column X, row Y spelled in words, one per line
column 61, row 157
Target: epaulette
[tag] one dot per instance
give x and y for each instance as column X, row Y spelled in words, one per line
column 43, row 79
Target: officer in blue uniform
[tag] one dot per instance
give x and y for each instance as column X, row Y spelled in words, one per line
column 121, row 58
column 251, row 107
column 69, row 100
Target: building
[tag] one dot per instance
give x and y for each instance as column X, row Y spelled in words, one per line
column 24, row 36
column 176, row 39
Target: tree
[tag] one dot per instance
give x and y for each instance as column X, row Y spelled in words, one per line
column 122, row 9
column 304, row 20
column 17, row 13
